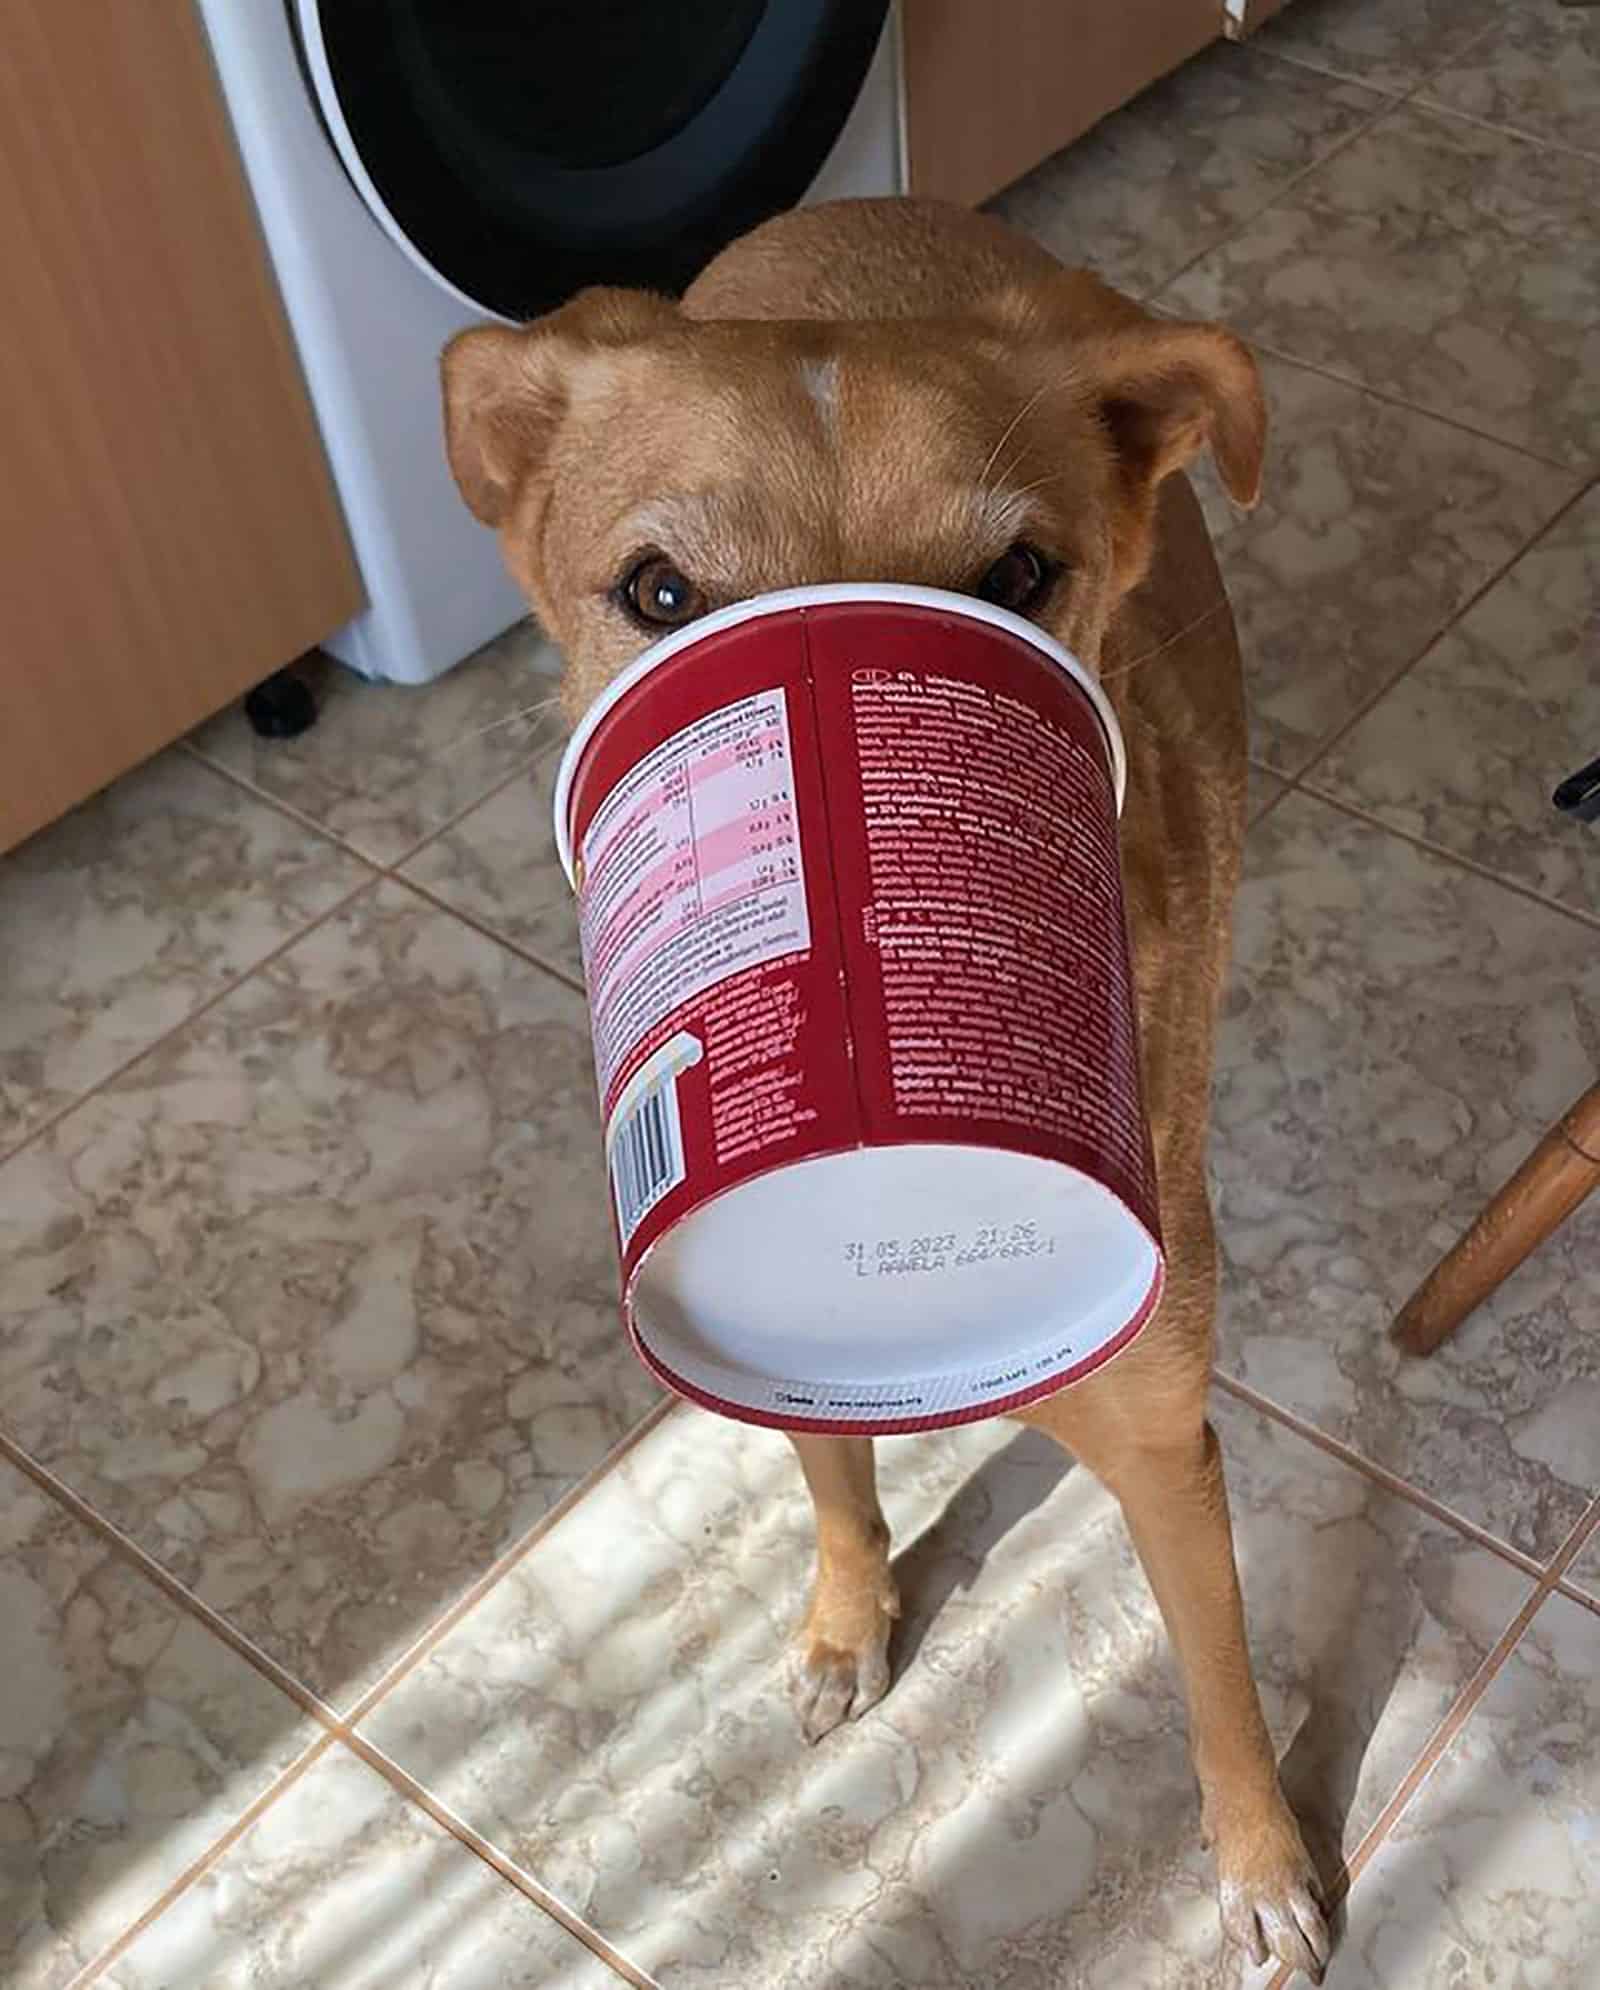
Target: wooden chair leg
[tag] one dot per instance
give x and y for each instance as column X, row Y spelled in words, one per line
column 1549, row 1185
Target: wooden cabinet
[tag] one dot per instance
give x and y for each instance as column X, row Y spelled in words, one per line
column 993, row 88
column 169, row 533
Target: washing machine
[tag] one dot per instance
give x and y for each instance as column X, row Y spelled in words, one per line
column 421, row 165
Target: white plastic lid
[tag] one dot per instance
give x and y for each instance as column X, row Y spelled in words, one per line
column 887, row 1285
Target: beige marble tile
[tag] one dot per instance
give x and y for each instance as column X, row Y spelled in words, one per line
column 1397, row 1033
column 1468, row 746
column 499, row 864
column 387, row 764
column 121, row 919
column 1389, row 44
column 130, row 1739
column 1492, row 1873
column 319, row 1302
column 1182, row 165
column 1440, row 261
column 1020, row 1809
column 1537, row 73
column 1376, row 525
column 343, row 1885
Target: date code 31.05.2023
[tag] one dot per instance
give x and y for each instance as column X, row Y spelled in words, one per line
column 941, row 1250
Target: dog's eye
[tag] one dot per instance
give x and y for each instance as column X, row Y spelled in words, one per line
column 657, row 595
column 1018, row 580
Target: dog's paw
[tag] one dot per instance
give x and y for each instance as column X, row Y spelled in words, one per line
column 831, row 1684
column 839, row 1663
column 1272, row 1902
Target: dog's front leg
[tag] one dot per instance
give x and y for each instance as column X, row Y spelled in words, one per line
column 1168, row 1478
column 841, row 1660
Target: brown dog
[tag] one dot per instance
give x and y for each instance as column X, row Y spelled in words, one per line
column 899, row 391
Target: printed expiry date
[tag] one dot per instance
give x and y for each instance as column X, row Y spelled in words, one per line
column 946, row 1250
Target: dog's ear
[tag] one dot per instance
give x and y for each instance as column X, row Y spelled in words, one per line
column 1165, row 391
column 506, row 388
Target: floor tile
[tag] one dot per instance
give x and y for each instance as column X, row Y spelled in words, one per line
column 499, row 865
column 386, row 764
column 1492, row 1873
column 1020, row 1810
column 1537, row 73
column 1397, row 1034
column 1389, row 44
column 1466, row 749
column 1182, row 165
column 1265, row 789
column 319, row 1300
column 1377, row 524
column 1584, row 1573
column 343, row 1885
column 125, row 916
column 1439, row 261
column 130, row 1739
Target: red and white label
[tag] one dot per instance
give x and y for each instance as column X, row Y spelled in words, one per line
column 977, row 806
column 691, row 872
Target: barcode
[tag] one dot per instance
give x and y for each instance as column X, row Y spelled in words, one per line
column 646, row 1156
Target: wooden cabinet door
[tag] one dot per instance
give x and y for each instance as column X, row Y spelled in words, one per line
column 169, row 533
column 994, row 86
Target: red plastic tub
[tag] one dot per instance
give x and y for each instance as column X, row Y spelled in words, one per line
column 853, row 930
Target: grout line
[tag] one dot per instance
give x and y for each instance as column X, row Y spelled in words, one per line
column 1410, row 90
column 537, row 751
column 378, row 872
column 179, row 1594
column 281, row 806
column 1575, row 1543
column 336, row 1728
column 1467, row 1700
column 1456, row 616
column 183, row 1598
column 472, row 1840
column 1423, row 102
column 1550, row 1583
column 1380, row 1475
column 1338, row 1888
column 1391, row 101
column 1574, row 1594
column 198, row 1867
column 1448, row 856
column 1325, row 370
column 218, row 995
column 488, row 932
column 1408, row 98
column 1284, row 787
column 1390, row 398
column 474, row 1594
column 1386, row 106
column 532, row 754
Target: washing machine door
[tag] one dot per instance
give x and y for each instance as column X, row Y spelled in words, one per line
column 519, row 149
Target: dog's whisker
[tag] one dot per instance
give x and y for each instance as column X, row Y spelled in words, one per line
column 533, row 712
column 1016, row 420
column 1038, row 484
column 1149, row 656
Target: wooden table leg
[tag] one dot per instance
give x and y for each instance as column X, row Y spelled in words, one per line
column 1549, row 1185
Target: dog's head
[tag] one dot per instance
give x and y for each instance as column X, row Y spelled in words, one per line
column 643, row 467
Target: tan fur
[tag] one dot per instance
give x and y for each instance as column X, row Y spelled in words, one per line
column 895, row 390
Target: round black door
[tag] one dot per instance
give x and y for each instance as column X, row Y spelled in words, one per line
column 524, row 148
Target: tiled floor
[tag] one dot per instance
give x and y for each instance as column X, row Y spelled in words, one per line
column 365, row 1620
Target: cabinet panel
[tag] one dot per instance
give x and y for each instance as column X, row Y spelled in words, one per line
column 993, row 89
column 169, row 533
